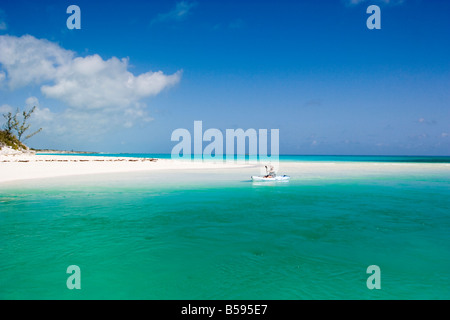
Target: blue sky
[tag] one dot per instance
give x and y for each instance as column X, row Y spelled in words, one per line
column 137, row 70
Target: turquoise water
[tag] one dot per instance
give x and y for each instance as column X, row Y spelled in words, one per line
column 216, row 235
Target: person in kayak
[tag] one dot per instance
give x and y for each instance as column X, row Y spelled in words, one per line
column 270, row 172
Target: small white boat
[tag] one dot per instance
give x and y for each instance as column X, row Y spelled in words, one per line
column 276, row 178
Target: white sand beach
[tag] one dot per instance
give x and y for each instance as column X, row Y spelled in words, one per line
column 29, row 166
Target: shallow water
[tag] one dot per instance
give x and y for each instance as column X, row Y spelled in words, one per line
column 216, row 235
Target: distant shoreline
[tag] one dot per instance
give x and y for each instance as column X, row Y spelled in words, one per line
column 63, row 151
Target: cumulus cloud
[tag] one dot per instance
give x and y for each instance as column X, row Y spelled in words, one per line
column 93, row 89
column 93, row 83
column 84, row 82
column 29, row 60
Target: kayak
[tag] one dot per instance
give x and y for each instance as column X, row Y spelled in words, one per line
column 276, row 178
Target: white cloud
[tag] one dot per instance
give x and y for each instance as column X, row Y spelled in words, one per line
column 97, row 92
column 5, row 108
column 29, row 60
column 94, row 83
column 181, row 11
column 88, row 82
column 32, row 102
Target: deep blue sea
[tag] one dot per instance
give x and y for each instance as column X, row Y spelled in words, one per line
column 206, row 234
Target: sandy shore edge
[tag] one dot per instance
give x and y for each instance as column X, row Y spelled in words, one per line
column 28, row 166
